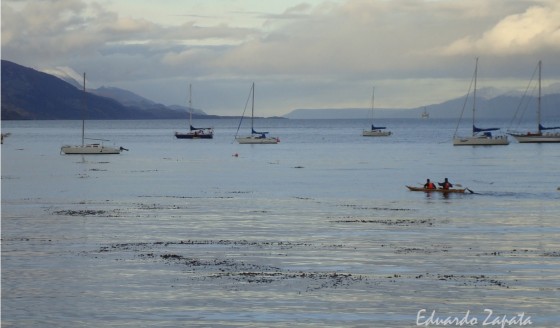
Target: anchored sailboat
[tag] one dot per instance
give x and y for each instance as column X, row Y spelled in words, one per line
column 480, row 137
column 255, row 137
column 425, row 114
column 376, row 131
column 194, row 133
column 539, row 136
column 93, row 148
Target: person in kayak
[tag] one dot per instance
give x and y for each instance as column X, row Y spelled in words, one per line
column 429, row 185
column 445, row 184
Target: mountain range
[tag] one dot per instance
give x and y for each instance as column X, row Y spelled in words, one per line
column 28, row 94
column 57, row 94
column 505, row 106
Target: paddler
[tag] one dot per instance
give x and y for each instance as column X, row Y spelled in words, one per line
column 429, row 185
column 445, row 184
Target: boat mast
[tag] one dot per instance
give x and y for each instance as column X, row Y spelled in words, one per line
column 474, row 99
column 83, row 111
column 190, row 105
column 253, row 107
column 372, row 105
column 539, row 101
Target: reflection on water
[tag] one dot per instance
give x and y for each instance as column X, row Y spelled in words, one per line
column 318, row 230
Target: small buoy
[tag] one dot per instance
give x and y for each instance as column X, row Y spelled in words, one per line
column 235, row 155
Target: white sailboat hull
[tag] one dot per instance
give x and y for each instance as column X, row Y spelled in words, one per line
column 376, row 133
column 256, row 140
column 91, row 149
column 537, row 138
column 480, row 137
column 481, row 141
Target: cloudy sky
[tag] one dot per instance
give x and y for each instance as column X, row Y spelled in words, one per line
column 300, row 53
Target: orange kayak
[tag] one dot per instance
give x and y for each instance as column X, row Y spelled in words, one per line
column 460, row 191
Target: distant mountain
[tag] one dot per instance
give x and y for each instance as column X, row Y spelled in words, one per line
column 488, row 106
column 344, row 113
column 125, row 97
column 502, row 107
column 34, row 95
column 30, row 94
column 129, row 98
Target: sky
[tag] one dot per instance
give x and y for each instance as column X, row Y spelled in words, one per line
column 299, row 54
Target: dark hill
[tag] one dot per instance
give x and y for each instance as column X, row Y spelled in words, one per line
column 32, row 95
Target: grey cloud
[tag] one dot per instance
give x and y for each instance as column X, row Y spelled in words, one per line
column 320, row 48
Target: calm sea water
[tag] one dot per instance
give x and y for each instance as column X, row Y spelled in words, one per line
column 316, row 231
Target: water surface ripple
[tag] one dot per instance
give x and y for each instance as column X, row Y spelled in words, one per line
column 316, row 231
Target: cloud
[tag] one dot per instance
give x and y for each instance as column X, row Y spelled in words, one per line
column 362, row 39
column 537, row 28
column 42, row 31
column 351, row 38
column 324, row 52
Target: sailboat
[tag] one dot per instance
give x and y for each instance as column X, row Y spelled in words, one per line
column 425, row 114
column 376, row 131
column 93, row 148
column 194, row 133
column 255, row 137
column 480, row 137
column 539, row 136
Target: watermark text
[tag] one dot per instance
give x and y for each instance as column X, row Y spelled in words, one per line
column 488, row 318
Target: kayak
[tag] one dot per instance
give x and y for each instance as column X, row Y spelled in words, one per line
column 460, row 191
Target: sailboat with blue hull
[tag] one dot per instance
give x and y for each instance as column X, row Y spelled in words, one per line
column 194, row 133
